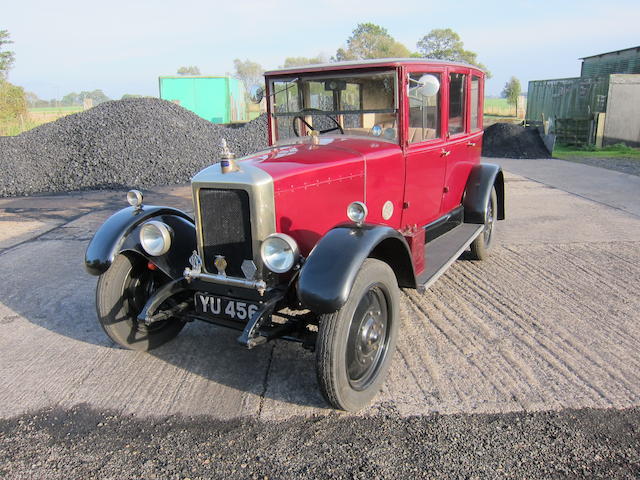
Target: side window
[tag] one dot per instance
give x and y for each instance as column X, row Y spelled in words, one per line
column 424, row 106
column 456, row 102
column 475, row 102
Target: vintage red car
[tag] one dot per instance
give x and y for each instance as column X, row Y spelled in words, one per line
column 372, row 182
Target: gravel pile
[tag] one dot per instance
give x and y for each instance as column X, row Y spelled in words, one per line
column 120, row 144
column 506, row 140
column 84, row 443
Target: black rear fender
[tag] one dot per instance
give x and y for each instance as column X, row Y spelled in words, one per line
column 120, row 233
column 476, row 197
column 328, row 274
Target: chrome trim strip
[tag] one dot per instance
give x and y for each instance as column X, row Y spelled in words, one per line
column 259, row 285
column 259, row 186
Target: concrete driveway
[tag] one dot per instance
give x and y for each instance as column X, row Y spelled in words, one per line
column 551, row 321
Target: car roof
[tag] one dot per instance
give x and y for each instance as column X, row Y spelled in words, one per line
column 370, row 63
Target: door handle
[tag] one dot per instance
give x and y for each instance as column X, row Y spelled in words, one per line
column 445, row 153
column 471, row 144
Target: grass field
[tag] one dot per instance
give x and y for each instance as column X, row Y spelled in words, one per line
column 496, row 103
column 612, row 151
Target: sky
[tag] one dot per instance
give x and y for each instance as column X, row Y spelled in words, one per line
column 123, row 46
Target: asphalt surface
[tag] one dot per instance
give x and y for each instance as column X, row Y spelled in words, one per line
column 524, row 366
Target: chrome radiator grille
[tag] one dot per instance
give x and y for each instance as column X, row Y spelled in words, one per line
column 226, row 228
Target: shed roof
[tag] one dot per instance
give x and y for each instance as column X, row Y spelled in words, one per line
column 609, row 53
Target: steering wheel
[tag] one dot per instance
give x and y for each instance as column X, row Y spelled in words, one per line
column 315, row 111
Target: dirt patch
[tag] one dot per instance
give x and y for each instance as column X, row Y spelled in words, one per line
column 505, row 140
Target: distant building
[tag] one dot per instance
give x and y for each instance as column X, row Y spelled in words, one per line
column 620, row 61
column 217, row 99
column 599, row 107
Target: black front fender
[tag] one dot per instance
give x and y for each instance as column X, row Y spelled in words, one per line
column 476, row 197
column 121, row 231
column 327, row 276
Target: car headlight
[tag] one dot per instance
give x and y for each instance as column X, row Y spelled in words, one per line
column 279, row 252
column 357, row 212
column 155, row 238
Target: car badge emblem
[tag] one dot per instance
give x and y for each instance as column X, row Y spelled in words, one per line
column 221, row 264
column 249, row 269
column 196, row 262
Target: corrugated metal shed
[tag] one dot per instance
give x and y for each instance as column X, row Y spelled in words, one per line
column 620, row 61
column 217, row 99
column 566, row 98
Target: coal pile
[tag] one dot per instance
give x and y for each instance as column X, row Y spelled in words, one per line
column 137, row 143
column 506, row 140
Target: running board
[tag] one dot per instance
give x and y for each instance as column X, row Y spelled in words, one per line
column 441, row 252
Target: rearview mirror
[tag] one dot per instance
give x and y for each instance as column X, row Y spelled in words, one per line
column 256, row 93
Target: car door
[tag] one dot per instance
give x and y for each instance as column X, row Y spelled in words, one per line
column 464, row 135
column 424, row 141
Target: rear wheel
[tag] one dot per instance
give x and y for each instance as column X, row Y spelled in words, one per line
column 481, row 245
column 355, row 345
column 122, row 292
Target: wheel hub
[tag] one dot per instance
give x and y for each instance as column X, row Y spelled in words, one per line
column 371, row 333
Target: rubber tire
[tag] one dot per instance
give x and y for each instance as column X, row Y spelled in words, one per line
column 479, row 248
column 332, row 339
column 115, row 315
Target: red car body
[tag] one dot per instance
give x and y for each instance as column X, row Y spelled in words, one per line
column 315, row 183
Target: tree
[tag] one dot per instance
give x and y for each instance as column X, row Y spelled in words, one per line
column 445, row 44
column 98, row 97
column 12, row 101
column 70, row 99
column 6, row 57
column 369, row 40
column 300, row 61
column 31, row 99
column 192, row 70
column 249, row 72
column 511, row 92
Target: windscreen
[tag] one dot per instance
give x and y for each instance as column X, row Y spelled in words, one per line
column 335, row 104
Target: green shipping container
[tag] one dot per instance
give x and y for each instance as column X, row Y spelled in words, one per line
column 217, row 99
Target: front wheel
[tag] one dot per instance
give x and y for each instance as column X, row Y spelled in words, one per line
column 122, row 293
column 355, row 345
column 481, row 245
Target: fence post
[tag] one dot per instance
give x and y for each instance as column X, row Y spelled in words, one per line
column 599, row 129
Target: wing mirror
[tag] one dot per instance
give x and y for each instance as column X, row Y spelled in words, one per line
column 256, row 93
column 427, row 85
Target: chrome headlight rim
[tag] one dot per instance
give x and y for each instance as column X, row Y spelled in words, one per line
column 291, row 247
column 357, row 212
column 151, row 232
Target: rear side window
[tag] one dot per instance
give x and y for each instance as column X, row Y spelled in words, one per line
column 475, row 103
column 457, row 82
column 424, row 106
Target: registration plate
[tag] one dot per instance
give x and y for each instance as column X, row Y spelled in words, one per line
column 223, row 307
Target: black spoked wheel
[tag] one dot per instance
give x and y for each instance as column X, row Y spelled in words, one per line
column 368, row 338
column 121, row 294
column 355, row 345
column 481, row 245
